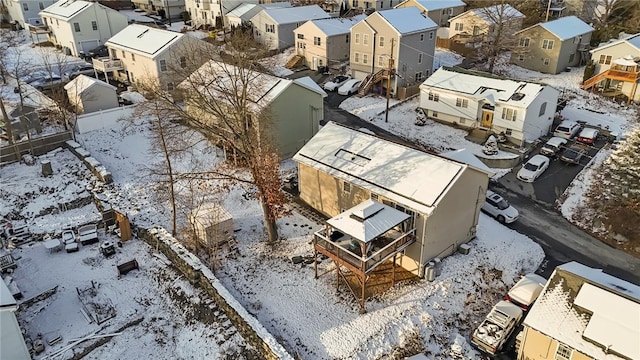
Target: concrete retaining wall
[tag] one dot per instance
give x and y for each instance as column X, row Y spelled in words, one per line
column 41, row 145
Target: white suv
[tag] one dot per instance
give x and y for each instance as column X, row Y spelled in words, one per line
column 496, row 206
column 567, row 129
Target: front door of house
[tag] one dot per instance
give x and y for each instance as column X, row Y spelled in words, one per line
column 487, row 119
column 315, row 63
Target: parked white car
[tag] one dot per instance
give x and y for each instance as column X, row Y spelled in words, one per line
column 336, row 82
column 526, row 291
column 496, row 206
column 567, row 129
column 532, row 169
column 554, row 146
column 349, row 87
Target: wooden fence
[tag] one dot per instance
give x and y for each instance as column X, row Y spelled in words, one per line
column 37, row 146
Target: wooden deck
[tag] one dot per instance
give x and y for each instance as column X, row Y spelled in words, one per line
column 380, row 280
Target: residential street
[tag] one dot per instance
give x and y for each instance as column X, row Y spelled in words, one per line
column 560, row 240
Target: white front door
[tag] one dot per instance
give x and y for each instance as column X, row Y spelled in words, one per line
column 315, row 63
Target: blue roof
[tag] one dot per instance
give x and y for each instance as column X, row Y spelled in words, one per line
column 430, row 5
column 634, row 40
column 296, row 14
column 567, row 27
column 407, row 20
column 337, row 26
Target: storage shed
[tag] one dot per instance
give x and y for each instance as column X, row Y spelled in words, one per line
column 212, row 223
column 90, row 95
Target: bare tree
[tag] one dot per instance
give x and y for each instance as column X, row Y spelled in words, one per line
column 54, row 63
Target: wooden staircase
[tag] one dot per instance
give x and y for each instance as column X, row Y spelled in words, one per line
column 613, row 75
column 371, row 80
column 294, row 62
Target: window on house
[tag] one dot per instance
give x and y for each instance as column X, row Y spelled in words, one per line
column 524, row 42
column 434, row 96
column 365, row 39
column 444, row 11
column 365, row 58
column 508, row 132
column 430, row 35
column 133, row 57
column 546, row 61
column 509, row 114
column 563, row 352
column 347, row 38
column 346, row 187
column 543, row 109
column 300, row 36
column 357, row 38
column 521, row 57
column 183, row 62
column 163, row 65
column 420, row 58
column 421, row 37
column 94, row 25
column 381, row 41
column 301, row 45
column 320, row 62
column 605, row 59
column 270, row 28
column 124, row 54
column 374, row 196
column 476, row 30
column 114, row 54
column 459, row 26
column 76, row 27
column 576, row 40
column 460, row 102
column 434, row 114
column 170, row 86
column 355, row 3
column 450, row 11
column 57, row 23
column 547, row 44
column 419, row 76
column 380, row 60
column 25, row 6
column 356, row 58
column 462, row 120
column 572, row 57
column 41, row 5
column 316, row 40
column 131, row 78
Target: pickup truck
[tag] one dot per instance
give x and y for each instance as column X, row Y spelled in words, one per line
column 88, row 234
column 496, row 328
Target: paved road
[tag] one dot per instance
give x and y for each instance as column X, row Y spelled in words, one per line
column 560, row 240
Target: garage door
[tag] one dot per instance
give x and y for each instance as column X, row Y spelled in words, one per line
column 85, row 46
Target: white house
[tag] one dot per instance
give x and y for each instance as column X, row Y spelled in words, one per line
column 25, row 12
column 80, row 26
column 88, row 94
column 172, row 9
column 12, row 342
column 523, row 111
column 274, row 26
column 211, row 12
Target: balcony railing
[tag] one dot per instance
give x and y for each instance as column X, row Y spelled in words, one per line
column 106, row 64
column 39, row 29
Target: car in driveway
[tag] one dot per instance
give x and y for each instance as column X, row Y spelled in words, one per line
column 498, row 207
column 80, row 69
column 532, row 169
column 48, row 83
column 573, row 154
column 98, row 52
column 349, row 87
column 336, row 82
column 526, row 291
column 553, row 147
column 567, row 129
column 588, row 135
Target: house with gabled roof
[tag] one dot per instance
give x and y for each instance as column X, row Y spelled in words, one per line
column 440, row 11
column 479, row 25
column 242, row 14
column 274, row 26
column 582, row 313
column 325, row 42
column 79, row 26
column 292, row 108
column 617, row 68
column 341, row 168
column 552, row 46
column 89, row 94
column 25, row 12
column 143, row 53
column 404, row 38
column 523, row 111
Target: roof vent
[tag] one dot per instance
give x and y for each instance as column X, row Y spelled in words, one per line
column 142, row 34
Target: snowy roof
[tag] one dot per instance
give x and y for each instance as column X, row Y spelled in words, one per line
column 144, row 40
column 367, row 220
column 210, row 214
column 82, row 83
column 567, row 27
column 276, row 5
column 633, row 40
column 406, row 20
column 467, row 157
column 404, row 175
column 243, row 10
column 431, row 5
column 512, row 92
column 491, row 13
column 6, row 299
column 66, row 10
column 337, row 26
column 310, row 84
column 590, row 311
column 295, row 14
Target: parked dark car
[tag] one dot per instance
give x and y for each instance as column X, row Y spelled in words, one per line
column 80, row 69
column 573, row 154
column 100, row 51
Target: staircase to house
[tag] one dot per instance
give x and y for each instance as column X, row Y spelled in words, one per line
column 371, row 80
column 294, row 62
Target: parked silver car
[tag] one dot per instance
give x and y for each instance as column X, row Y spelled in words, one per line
column 496, row 206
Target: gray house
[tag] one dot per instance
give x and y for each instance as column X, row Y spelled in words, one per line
column 551, row 47
column 274, row 26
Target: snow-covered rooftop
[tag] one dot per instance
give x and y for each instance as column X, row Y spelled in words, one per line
column 491, row 89
column 367, row 220
column 82, row 83
column 402, row 174
column 406, row 20
column 243, row 9
column 66, row 9
column 431, row 5
column 567, row 27
column 467, row 157
column 6, row 299
column 633, row 40
column 337, row 26
column 144, row 40
column 590, row 311
column 295, row 14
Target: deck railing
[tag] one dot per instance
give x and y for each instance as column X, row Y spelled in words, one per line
column 106, row 64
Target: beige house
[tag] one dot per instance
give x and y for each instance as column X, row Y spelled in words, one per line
column 89, row 95
column 582, row 314
column 553, row 46
column 617, row 68
column 438, row 11
column 325, row 42
column 377, row 5
column 521, row 110
column 340, row 168
column 479, row 25
column 79, row 26
column 140, row 53
column 212, row 12
column 274, row 26
column 404, row 38
column 294, row 108
column 166, row 9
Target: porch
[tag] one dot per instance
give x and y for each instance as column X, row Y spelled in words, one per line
column 106, row 64
column 609, row 82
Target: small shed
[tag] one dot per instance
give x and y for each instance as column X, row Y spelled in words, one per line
column 212, row 223
column 90, row 95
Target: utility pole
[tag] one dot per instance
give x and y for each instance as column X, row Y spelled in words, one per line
column 548, row 9
column 389, row 73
